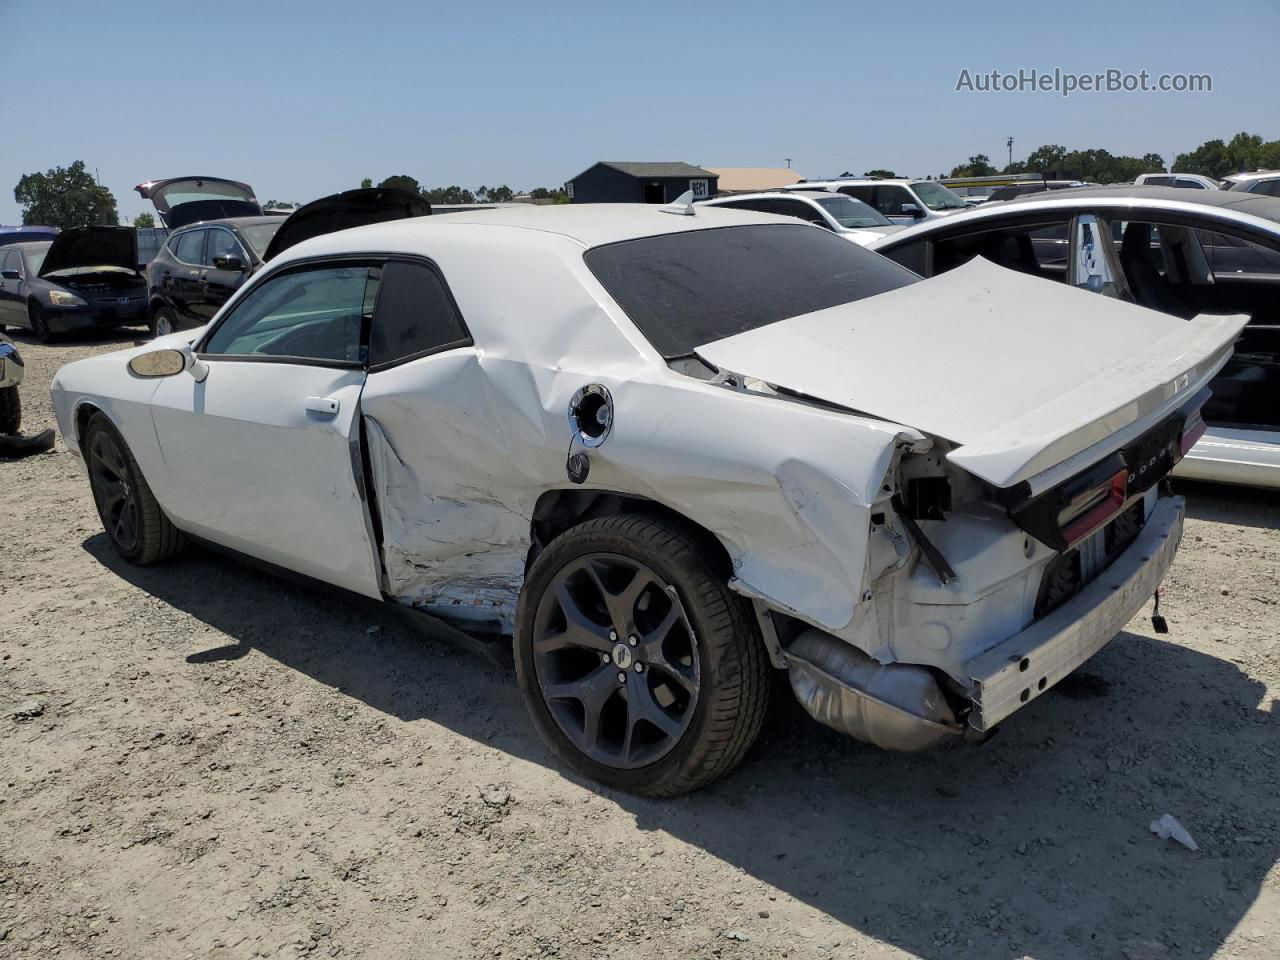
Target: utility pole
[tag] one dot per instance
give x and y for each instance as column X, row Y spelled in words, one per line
column 1009, row 144
column 788, row 163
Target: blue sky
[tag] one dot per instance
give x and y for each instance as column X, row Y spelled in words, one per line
column 304, row 99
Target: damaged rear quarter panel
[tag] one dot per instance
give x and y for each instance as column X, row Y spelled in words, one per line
column 463, row 443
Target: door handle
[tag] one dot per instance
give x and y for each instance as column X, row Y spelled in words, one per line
column 327, row 406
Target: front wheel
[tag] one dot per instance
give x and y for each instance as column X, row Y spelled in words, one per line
column 639, row 666
column 39, row 326
column 132, row 518
column 163, row 323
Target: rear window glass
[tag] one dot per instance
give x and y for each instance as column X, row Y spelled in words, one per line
column 415, row 315
column 687, row 289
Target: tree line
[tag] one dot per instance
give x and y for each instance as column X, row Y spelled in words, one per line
column 1213, row 158
column 455, row 194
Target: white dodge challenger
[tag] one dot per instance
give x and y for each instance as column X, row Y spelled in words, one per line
column 670, row 448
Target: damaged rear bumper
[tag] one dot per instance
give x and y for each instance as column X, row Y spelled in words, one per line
column 1016, row 671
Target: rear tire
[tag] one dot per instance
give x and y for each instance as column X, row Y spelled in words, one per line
column 163, row 323
column 130, row 514
column 39, row 326
column 10, row 410
column 690, row 710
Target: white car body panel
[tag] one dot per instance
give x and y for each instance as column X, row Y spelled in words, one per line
column 1053, row 397
column 462, row 443
column 1227, row 455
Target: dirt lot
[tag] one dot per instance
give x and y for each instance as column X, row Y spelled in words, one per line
column 201, row 761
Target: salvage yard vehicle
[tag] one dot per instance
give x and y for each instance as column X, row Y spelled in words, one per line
column 1183, row 252
column 667, row 451
column 204, row 261
column 902, row 200
column 85, row 278
column 1265, row 182
column 841, row 214
column 12, row 444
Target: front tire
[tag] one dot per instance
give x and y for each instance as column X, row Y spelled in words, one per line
column 131, row 517
column 163, row 323
column 39, row 326
column 639, row 667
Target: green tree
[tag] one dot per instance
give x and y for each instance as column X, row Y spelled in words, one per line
column 144, row 220
column 1213, row 158
column 502, row 194
column 366, row 183
column 886, row 174
column 978, row 166
column 402, row 182
column 449, row 195
column 65, row 197
column 1046, row 159
column 549, row 193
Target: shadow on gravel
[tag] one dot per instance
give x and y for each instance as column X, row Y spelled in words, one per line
column 1223, row 503
column 124, row 336
column 1034, row 844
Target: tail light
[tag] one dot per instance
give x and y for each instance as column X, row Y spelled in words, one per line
column 1192, row 431
column 1094, row 506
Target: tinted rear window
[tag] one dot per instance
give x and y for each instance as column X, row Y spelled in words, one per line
column 687, row 289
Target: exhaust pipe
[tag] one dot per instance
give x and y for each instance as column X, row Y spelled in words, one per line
column 894, row 706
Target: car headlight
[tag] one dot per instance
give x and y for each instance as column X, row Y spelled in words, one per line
column 60, row 298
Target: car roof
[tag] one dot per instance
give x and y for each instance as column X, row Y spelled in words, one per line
column 233, row 222
column 1259, row 206
column 863, row 180
column 587, row 224
column 773, row 195
column 1253, row 175
column 1229, row 205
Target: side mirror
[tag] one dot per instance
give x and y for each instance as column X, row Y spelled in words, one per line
column 11, row 275
column 229, row 262
column 912, row 210
column 158, row 363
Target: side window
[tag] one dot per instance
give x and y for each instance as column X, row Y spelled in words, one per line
column 1228, row 254
column 190, row 247
column 801, row 211
column 889, row 200
column 913, row 256
column 862, row 191
column 1186, row 184
column 8, row 261
column 316, row 314
column 1270, row 188
column 1158, row 182
column 415, row 315
column 222, row 243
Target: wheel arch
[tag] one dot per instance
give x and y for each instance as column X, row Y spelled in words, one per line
column 558, row 510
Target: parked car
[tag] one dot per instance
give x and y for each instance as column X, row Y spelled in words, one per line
column 667, row 451
column 1183, row 181
column 1183, row 252
column 31, row 234
column 837, row 212
column 903, row 201
column 1009, row 191
column 86, row 277
column 1265, row 182
column 204, row 262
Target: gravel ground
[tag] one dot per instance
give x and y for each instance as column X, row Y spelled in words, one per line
column 201, row 761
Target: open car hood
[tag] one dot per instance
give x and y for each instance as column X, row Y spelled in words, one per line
column 81, row 247
column 1022, row 373
column 184, row 200
column 351, row 208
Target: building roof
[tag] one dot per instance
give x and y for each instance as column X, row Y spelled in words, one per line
column 657, row 170
column 753, row 179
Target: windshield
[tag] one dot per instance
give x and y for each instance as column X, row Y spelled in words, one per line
column 259, row 235
column 849, row 212
column 937, row 197
column 684, row 290
column 35, row 260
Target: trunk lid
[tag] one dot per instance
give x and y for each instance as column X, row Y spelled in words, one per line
column 83, row 247
column 1031, row 379
column 351, row 208
column 184, row 200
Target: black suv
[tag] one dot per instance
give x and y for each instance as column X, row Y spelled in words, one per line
column 220, row 238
